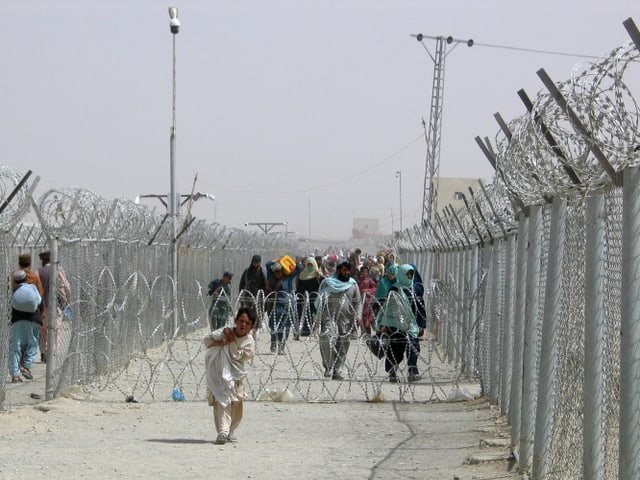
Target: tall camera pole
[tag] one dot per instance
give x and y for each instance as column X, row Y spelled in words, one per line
column 174, row 26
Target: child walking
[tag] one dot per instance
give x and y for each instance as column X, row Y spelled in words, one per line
column 227, row 351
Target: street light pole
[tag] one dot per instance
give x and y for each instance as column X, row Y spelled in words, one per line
column 399, row 176
column 174, row 26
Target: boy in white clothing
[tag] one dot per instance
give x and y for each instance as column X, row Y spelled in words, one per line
column 227, row 351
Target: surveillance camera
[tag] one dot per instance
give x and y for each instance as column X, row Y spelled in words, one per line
column 246, row 224
column 174, row 25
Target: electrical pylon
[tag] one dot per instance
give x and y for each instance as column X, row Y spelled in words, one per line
column 434, row 133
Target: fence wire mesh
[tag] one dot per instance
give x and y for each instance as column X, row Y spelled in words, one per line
column 611, row 341
column 574, row 153
column 119, row 341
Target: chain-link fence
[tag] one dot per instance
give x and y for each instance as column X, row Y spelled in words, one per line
column 534, row 283
column 115, row 256
column 532, row 287
column 119, row 338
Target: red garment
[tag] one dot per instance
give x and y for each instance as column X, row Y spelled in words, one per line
column 32, row 277
column 368, row 290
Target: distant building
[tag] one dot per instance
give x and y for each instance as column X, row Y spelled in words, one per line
column 450, row 191
column 365, row 228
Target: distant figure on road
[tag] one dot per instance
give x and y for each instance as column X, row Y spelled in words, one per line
column 252, row 281
column 390, row 259
column 368, row 290
column 24, row 333
column 220, row 293
column 63, row 299
column 329, row 267
column 24, row 264
column 354, row 260
column 306, row 294
column 415, row 294
column 280, row 304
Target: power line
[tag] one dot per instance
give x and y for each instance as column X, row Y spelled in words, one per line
column 533, row 50
column 337, row 181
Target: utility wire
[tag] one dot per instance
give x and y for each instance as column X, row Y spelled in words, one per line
column 337, row 181
column 389, row 157
column 533, row 50
column 471, row 43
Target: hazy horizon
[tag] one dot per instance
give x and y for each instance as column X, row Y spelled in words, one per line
column 287, row 111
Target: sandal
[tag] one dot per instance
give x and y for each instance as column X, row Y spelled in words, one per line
column 16, row 379
column 26, row 373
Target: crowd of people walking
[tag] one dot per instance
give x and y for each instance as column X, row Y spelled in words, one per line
column 333, row 298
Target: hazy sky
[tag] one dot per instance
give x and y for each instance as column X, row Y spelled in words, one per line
column 288, row 111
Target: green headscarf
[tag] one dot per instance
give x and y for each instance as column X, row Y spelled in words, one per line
column 386, row 283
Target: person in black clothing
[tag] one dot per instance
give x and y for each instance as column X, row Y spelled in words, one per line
column 220, row 293
column 252, row 281
column 416, row 297
column 306, row 293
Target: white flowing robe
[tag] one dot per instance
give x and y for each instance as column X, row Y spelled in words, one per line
column 224, row 366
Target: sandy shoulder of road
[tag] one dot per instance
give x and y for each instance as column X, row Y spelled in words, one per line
column 76, row 437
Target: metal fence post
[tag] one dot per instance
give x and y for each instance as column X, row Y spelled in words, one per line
column 441, row 327
column 444, row 317
column 472, row 331
column 459, row 326
column 483, row 332
column 465, row 297
column 453, row 318
column 629, row 458
column 592, row 394
column 451, row 304
column 548, row 348
column 494, row 325
column 515, row 404
column 508, row 322
column 530, row 352
column 52, row 313
column 428, row 279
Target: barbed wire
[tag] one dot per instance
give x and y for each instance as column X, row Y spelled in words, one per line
column 545, row 153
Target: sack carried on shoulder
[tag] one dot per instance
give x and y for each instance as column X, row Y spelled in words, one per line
column 378, row 343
